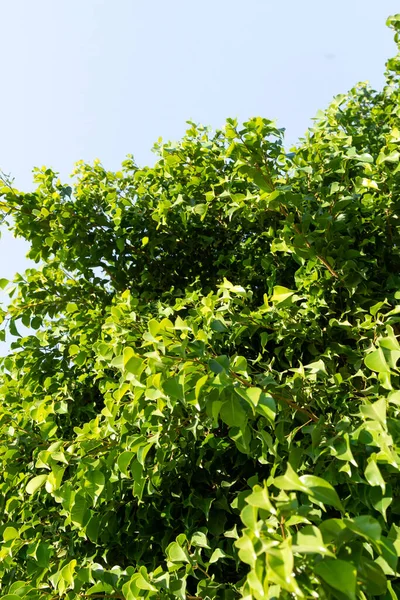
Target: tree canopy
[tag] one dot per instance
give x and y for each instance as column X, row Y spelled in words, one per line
column 206, row 404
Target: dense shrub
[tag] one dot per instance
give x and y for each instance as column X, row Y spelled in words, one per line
column 207, row 403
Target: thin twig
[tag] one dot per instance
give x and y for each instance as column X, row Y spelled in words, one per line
column 279, row 397
column 270, row 183
column 282, row 527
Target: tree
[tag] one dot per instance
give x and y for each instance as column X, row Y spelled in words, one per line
column 207, row 402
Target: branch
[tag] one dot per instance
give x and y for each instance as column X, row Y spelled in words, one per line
column 270, row 183
column 117, row 596
column 307, row 243
column 289, row 401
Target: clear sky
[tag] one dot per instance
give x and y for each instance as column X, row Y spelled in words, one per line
column 82, row 79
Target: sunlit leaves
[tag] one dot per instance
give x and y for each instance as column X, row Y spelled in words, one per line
column 206, row 403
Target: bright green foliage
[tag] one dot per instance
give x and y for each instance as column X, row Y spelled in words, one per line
column 208, row 403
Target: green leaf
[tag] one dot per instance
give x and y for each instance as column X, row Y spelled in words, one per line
column 199, row 539
column 281, row 294
column 127, row 354
column 376, row 361
column 246, row 550
column 339, row 574
column 260, row 499
column 373, row 577
column 219, row 364
column 73, row 350
column 249, row 516
column 251, row 395
column 375, row 411
column 10, row 533
column 373, row 475
column 232, row 413
column 143, row 452
column 267, row 408
column 174, row 388
column 124, row 460
column 134, row 366
column 141, row 580
column 280, row 568
column 219, row 326
column 342, row 451
column 94, row 483
column 175, row 553
column 80, row 514
column 67, row 573
column 366, row 526
column 394, row 397
column 309, row 541
column 380, row 501
column 13, row 328
column 290, row 481
column 321, row 490
column 200, row 383
column 43, row 555
column 80, row 358
column 217, row 555
column 139, row 480
column 72, row 307
column 393, row 157
column 36, row 483
column 93, row 528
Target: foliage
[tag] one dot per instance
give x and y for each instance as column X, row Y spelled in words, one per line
column 207, row 402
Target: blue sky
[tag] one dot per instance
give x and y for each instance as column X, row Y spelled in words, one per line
column 98, row 78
